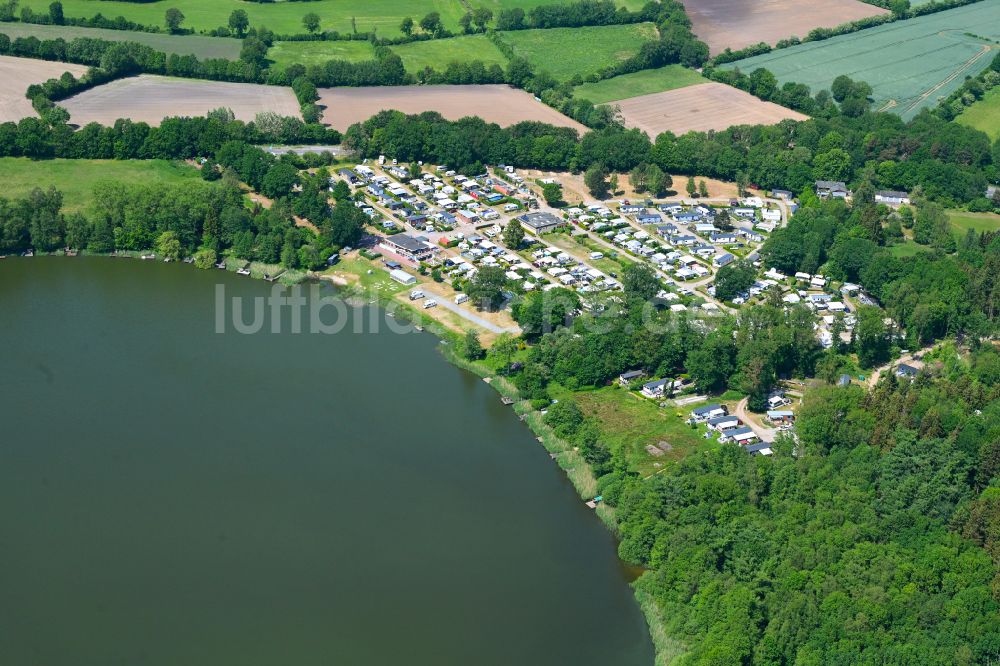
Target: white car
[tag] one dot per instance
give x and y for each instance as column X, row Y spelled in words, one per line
column 429, row 303
column 461, row 298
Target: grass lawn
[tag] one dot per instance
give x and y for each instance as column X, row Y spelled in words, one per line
column 962, row 221
column 984, row 115
column 566, row 52
column 645, row 82
column 198, row 45
column 284, row 18
column 907, row 248
column 631, row 422
column 437, row 53
column 284, row 54
column 76, row 178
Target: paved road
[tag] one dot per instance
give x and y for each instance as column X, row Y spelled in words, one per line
column 473, row 317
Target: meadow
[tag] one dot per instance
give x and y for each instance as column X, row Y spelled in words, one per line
column 566, row 52
column 962, row 221
column 197, row 45
column 76, row 178
column 984, row 115
column 910, row 64
column 284, row 18
column 283, row 54
column 644, row 82
column 630, row 422
column 437, row 53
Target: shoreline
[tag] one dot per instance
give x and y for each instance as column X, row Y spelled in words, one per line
column 573, row 465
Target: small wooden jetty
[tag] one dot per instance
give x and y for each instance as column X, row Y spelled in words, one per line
column 507, row 401
column 272, row 278
column 221, row 264
column 592, row 504
column 245, row 270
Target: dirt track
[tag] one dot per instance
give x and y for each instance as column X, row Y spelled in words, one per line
column 153, row 98
column 16, row 74
column 741, row 23
column 493, row 103
column 706, row 106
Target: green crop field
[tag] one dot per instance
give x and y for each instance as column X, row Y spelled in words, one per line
column 198, row 45
column 437, row 53
column 984, row 115
column 284, row 54
column 76, row 178
column 645, row 82
column 282, row 17
column 910, row 64
column 962, row 221
column 565, row 52
column 497, row 5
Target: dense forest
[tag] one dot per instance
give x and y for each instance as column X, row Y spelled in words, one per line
column 875, row 544
column 872, row 539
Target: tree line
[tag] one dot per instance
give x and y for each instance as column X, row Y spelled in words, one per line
column 952, row 164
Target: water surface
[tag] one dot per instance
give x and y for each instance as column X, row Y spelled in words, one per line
column 173, row 496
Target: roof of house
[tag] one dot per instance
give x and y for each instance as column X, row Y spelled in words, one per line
column 779, row 413
column 741, row 433
column 723, row 419
column 831, row 185
column 707, row 409
column 539, row 220
column 631, row 374
column 657, row 384
column 904, row 369
column 893, row 194
column 407, row 242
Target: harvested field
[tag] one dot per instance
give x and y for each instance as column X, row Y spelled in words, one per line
column 16, row 74
column 910, row 64
column 699, row 108
column 202, row 46
column 152, row 98
column 493, row 103
column 736, row 25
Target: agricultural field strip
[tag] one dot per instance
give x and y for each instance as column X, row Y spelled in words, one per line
column 903, row 82
column 199, row 45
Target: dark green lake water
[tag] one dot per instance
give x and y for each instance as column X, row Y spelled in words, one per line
column 172, row 496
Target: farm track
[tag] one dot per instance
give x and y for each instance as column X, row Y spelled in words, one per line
column 968, row 63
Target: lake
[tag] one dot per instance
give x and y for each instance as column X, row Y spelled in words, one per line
column 171, row 495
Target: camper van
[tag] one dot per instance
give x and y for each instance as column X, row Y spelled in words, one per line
column 461, row 298
column 429, row 303
column 416, row 295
